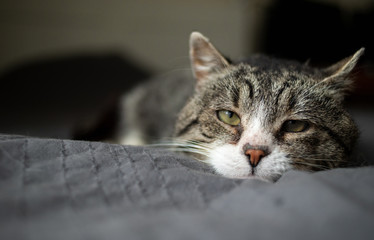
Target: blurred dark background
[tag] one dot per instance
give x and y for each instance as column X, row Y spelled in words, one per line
column 63, row 63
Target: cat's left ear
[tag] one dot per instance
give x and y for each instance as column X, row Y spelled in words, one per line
column 338, row 78
column 205, row 59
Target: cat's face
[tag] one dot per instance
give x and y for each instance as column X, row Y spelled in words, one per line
column 266, row 117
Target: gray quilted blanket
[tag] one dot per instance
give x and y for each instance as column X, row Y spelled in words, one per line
column 63, row 189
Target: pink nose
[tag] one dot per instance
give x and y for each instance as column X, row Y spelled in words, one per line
column 255, row 156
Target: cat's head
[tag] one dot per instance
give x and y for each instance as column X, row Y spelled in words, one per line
column 265, row 116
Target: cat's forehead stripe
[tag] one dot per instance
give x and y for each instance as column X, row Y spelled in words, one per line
column 278, row 95
column 250, row 88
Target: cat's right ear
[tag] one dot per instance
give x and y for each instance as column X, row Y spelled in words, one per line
column 205, row 59
column 338, row 80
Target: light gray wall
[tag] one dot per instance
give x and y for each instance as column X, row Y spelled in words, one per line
column 154, row 33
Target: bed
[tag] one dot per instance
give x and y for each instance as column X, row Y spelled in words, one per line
column 66, row 189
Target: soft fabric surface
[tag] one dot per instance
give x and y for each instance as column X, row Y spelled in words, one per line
column 63, row 189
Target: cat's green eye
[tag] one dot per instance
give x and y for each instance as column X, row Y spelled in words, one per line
column 228, row 117
column 295, row 126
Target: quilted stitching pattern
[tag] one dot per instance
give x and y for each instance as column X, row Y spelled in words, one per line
column 63, row 189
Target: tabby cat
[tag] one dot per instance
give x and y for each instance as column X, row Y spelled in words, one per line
column 257, row 118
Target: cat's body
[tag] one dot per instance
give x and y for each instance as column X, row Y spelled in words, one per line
column 149, row 112
column 257, row 118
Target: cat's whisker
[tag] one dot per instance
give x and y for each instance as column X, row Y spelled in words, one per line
column 186, row 146
column 312, row 158
column 305, row 163
column 318, row 166
column 326, row 160
column 183, row 146
column 190, row 150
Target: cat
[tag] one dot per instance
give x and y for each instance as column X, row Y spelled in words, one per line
column 257, row 118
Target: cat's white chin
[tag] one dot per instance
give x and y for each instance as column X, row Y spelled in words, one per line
column 229, row 161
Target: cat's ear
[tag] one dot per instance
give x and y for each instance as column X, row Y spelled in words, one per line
column 338, row 78
column 205, row 59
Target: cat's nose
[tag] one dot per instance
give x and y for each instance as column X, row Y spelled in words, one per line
column 255, row 156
